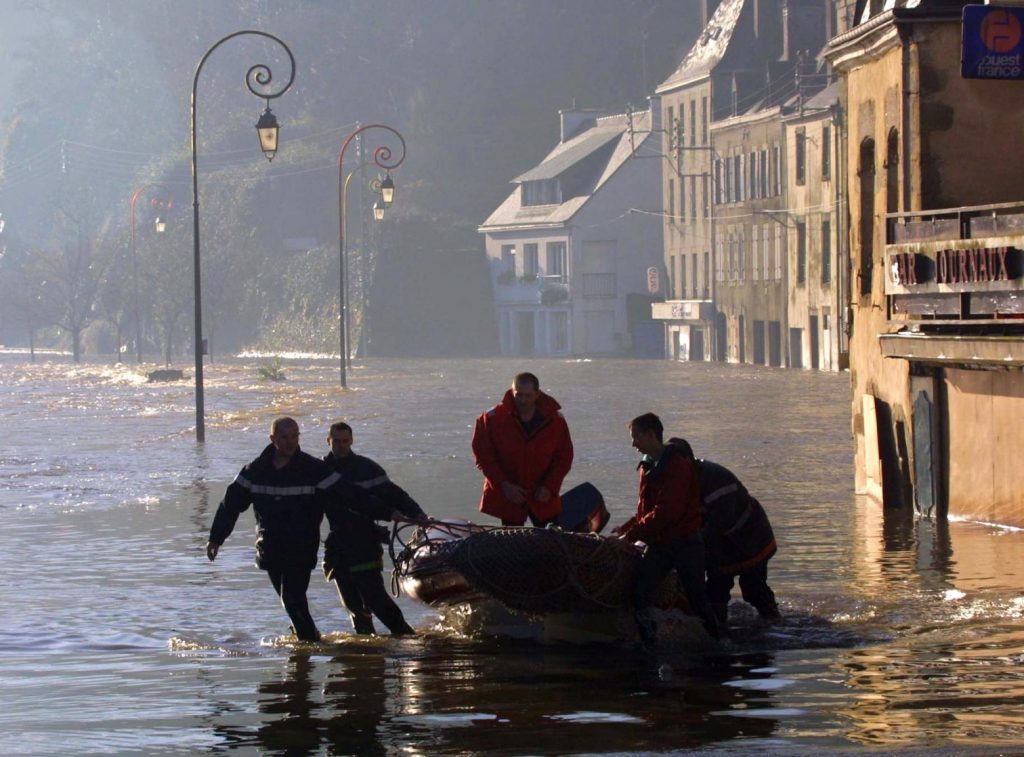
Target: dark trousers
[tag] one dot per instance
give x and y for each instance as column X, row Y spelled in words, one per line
column 753, row 586
column 534, row 521
column 291, row 583
column 686, row 555
column 363, row 594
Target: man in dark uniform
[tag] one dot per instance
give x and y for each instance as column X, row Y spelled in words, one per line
column 353, row 556
column 738, row 539
column 289, row 492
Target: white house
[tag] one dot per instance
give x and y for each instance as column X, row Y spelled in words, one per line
column 570, row 248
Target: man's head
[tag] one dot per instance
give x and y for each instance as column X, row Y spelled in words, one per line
column 340, row 439
column 284, row 435
column 646, row 432
column 525, row 388
column 683, row 446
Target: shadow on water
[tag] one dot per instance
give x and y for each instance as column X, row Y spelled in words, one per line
column 436, row 695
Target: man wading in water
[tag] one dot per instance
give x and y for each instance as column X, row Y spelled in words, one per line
column 353, row 556
column 289, row 492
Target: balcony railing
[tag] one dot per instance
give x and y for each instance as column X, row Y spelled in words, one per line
column 599, row 285
column 960, row 265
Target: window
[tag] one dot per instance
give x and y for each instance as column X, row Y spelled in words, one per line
column 780, row 246
column 704, row 196
column 768, row 244
column 718, row 181
column 801, row 157
column 826, row 251
column 682, row 276
column 743, row 254
column 755, row 245
column 752, row 175
column 559, row 331
column 776, row 182
column 719, row 263
column 508, row 259
column 801, row 252
column 693, row 122
column 671, row 198
column 693, row 198
column 682, row 199
column 530, row 263
column 557, row 261
column 543, row 192
column 671, row 277
column 727, row 187
column 680, row 129
column 764, row 173
column 704, row 120
column 669, row 127
column 737, row 178
column 826, row 153
column 707, row 275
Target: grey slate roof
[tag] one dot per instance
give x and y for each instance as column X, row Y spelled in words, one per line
column 511, row 214
column 575, row 150
column 709, row 49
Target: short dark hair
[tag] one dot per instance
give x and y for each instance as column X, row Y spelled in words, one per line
column 648, row 422
column 683, row 446
column 339, row 426
column 527, row 378
column 284, row 420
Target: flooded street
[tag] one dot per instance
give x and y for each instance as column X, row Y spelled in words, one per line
column 116, row 633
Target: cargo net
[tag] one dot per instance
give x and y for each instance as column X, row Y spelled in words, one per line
column 542, row 570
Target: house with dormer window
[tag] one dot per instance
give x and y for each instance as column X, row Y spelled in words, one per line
column 570, row 247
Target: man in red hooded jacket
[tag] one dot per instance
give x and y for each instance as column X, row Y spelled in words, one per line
column 668, row 521
column 524, row 450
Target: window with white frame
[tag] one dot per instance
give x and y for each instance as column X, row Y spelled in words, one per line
column 557, row 262
column 530, row 262
column 508, row 259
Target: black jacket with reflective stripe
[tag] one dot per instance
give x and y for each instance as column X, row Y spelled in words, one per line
column 736, row 529
column 354, row 538
column 289, row 505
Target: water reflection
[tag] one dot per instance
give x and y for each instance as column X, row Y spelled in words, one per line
column 434, row 696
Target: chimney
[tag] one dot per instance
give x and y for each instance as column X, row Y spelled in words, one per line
column 574, row 121
column 654, row 103
column 707, row 10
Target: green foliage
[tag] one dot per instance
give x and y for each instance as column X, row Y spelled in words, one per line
column 271, row 371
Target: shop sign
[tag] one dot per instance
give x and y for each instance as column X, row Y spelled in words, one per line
column 992, row 45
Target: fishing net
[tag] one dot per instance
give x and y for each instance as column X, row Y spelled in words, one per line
column 541, row 570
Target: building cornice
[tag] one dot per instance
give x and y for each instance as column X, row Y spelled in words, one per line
column 862, row 44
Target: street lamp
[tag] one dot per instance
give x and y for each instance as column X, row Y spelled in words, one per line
column 160, row 227
column 382, row 158
column 378, row 210
column 267, row 130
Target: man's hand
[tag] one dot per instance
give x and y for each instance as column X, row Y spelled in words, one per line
column 542, row 494
column 514, row 493
column 212, row 550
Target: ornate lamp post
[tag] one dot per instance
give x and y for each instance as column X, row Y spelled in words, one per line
column 160, row 227
column 267, row 129
column 382, row 158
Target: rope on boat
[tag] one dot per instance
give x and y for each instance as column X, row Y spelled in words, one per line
column 574, row 568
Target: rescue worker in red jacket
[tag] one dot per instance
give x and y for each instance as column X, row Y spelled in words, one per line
column 667, row 520
column 524, row 450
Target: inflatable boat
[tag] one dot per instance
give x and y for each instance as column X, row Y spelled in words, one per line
column 565, row 569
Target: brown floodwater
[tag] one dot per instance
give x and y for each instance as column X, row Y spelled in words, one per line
column 117, row 635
